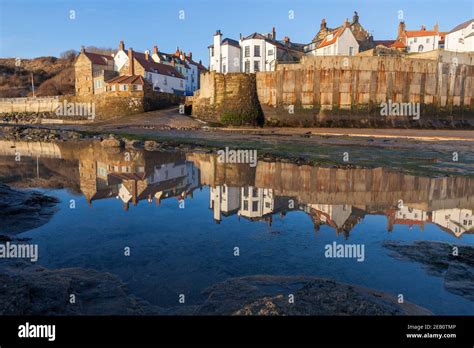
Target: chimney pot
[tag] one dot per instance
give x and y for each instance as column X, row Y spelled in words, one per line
column 155, row 49
column 121, row 45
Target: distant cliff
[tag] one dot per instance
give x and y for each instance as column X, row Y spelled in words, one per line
column 52, row 76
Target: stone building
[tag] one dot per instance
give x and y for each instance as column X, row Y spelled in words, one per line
column 364, row 40
column 91, row 71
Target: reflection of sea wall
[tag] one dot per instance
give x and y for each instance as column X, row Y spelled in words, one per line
column 367, row 188
column 30, row 149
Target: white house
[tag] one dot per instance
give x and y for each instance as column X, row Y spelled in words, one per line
column 224, row 55
column 261, row 52
column 164, row 78
column 193, row 76
column 256, row 52
column 339, row 42
column 421, row 40
column 461, row 38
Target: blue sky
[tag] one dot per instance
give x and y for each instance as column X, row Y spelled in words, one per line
column 32, row 28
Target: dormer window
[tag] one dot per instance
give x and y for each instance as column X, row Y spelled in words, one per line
column 330, row 36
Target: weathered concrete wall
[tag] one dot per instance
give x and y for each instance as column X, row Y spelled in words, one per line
column 349, row 90
column 33, row 105
column 346, row 91
column 223, row 98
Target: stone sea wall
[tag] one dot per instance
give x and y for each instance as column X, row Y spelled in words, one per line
column 345, row 91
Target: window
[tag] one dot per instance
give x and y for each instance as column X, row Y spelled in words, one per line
column 270, row 52
column 246, row 205
column 351, row 51
column 267, row 205
column 247, row 66
column 165, row 81
column 123, row 87
column 181, row 83
column 415, row 40
column 246, row 191
column 420, row 48
column 212, row 51
column 224, row 68
column 255, row 206
column 247, row 51
column 254, row 192
column 113, row 88
column 427, row 40
column 256, row 51
column 137, row 87
column 256, row 66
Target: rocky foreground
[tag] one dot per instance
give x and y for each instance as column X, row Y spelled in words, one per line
column 24, row 210
column 438, row 259
column 28, row 289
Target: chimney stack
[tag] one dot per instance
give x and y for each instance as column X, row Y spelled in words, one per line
column 401, row 29
column 323, row 24
column 83, row 50
column 155, row 49
column 346, row 23
column 190, row 55
column 286, row 39
column 436, row 28
column 274, row 35
column 131, row 68
column 147, row 55
column 121, row 45
column 423, row 27
column 355, row 18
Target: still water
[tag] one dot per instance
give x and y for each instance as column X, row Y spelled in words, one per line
column 191, row 222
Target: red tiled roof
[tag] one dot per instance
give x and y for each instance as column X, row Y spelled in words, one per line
column 418, row 33
column 127, row 79
column 335, row 35
column 398, row 44
column 408, row 222
column 97, row 58
column 151, row 66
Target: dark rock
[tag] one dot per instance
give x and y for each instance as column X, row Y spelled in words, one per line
column 24, row 210
column 27, row 289
column 438, row 260
column 268, row 295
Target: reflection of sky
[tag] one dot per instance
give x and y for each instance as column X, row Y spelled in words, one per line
column 177, row 250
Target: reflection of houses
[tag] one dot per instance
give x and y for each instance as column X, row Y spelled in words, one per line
column 250, row 202
column 131, row 177
column 406, row 216
column 456, row 221
column 342, row 217
column 224, row 200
